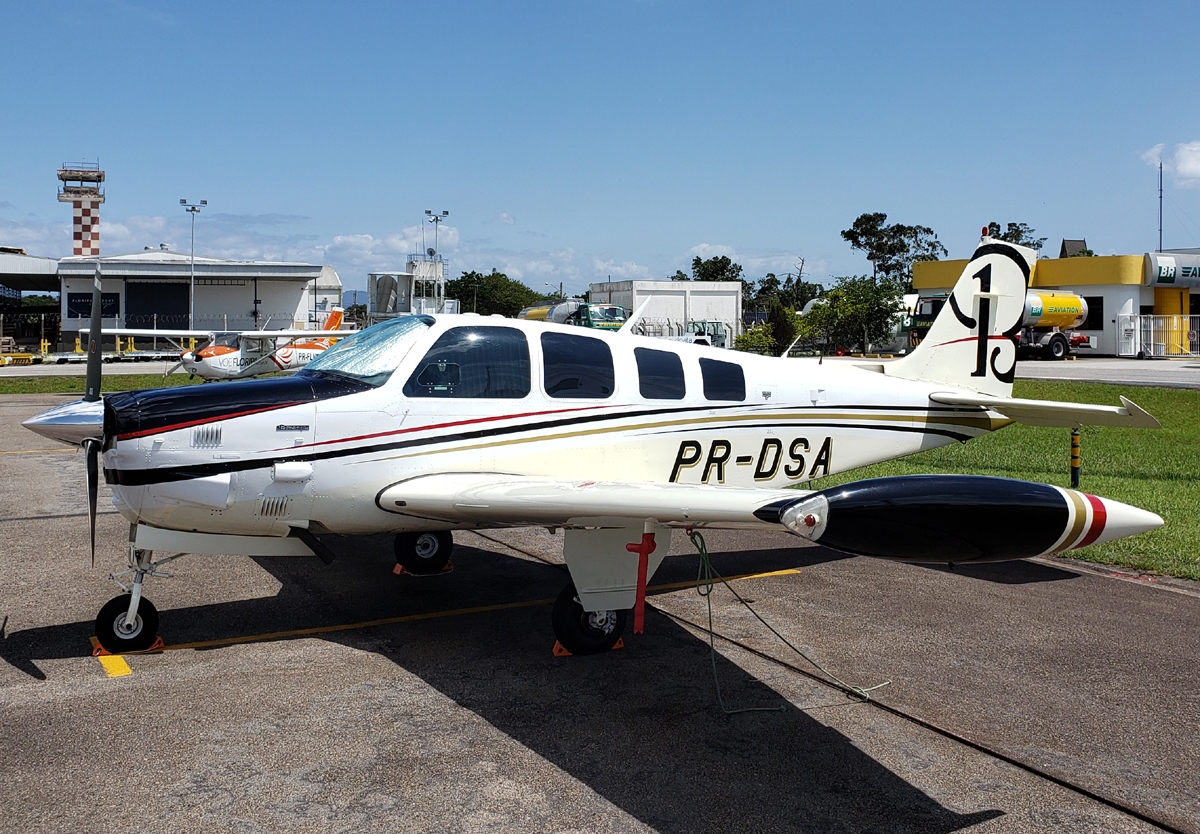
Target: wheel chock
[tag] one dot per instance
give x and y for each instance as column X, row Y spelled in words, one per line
column 561, row 651
column 99, row 651
column 400, row 570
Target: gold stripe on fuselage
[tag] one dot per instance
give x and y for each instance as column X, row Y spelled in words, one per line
column 979, row 420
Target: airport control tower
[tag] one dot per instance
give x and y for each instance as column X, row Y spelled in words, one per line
column 81, row 188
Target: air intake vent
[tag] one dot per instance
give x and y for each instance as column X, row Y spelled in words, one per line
column 274, row 507
column 206, row 437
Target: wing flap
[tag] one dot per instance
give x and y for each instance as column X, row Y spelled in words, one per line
column 1049, row 413
column 486, row 498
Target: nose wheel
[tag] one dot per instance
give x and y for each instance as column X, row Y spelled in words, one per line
column 118, row 633
column 424, row 552
column 585, row 632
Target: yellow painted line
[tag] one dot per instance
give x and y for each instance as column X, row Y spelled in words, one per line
column 114, row 664
column 39, row 451
column 481, row 609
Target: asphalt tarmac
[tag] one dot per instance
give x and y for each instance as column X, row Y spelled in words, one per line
column 453, row 715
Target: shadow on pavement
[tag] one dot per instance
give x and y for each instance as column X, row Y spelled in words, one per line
column 1019, row 572
column 638, row 726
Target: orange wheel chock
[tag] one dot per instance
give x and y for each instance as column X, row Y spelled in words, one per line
column 99, row 651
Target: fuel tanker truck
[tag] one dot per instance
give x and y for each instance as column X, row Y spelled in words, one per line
column 1048, row 317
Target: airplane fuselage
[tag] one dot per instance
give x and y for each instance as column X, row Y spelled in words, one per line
column 319, row 451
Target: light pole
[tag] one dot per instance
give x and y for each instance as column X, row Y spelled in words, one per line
column 560, row 288
column 436, row 220
column 192, row 209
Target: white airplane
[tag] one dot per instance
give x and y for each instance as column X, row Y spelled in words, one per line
column 422, row 425
column 246, row 353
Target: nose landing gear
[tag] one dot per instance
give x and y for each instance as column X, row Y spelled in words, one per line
column 129, row 622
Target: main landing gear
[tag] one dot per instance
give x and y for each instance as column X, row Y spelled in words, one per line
column 424, row 553
column 585, row 632
column 129, row 622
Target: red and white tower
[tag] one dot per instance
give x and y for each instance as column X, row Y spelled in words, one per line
column 81, row 188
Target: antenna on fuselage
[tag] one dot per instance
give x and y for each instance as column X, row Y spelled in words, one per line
column 637, row 314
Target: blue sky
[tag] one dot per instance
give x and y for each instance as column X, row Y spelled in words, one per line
column 572, row 141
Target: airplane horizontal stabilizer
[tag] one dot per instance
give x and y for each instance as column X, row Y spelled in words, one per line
column 1055, row 414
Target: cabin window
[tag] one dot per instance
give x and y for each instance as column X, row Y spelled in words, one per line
column 577, row 366
column 474, row 363
column 723, row 380
column 660, row 374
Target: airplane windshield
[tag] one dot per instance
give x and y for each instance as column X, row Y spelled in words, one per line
column 225, row 340
column 371, row 355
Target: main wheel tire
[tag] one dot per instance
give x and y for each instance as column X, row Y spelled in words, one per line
column 424, row 552
column 112, row 633
column 1058, row 348
column 584, row 632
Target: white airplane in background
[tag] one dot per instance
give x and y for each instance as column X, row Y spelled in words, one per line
column 246, row 353
column 422, row 425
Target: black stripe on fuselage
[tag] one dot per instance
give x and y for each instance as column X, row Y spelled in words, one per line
column 135, row 413
column 144, row 477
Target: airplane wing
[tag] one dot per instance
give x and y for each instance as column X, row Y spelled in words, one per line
column 1049, row 413
column 468, row 497
column 165, row 334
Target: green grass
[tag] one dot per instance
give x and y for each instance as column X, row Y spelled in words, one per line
column 75, row 384
column 1153, row 469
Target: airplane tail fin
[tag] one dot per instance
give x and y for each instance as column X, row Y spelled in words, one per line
column 972, row 342
column 334, row 321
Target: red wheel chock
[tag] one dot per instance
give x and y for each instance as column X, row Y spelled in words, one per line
column 561, row 651
column 400, row 570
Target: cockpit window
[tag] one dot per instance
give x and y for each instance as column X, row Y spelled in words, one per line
column 371, row 355
column 225, row 340
column 474, row 362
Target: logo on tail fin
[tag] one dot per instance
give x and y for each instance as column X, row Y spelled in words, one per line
column 334, row 321
column 973, row 341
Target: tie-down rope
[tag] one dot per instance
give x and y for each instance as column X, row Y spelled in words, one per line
column 705, row 576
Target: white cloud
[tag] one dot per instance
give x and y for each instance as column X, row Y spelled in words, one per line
column 1183, row 166
column 1153, row 156
column 506, row 218
column 704, row 251
column 627, row 271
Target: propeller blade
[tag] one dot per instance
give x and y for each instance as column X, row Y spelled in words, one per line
column 92, row 450
column 91, row 446
column 172, row 369
column 94, row 356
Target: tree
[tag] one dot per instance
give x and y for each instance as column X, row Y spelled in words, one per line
column 1018, row 233
column 859, row 310
column 784, row 326
column 679, row 276
column 892, row 249
column 357, row 313
column 717, row 268
column 756, row 340
column 492, row 293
